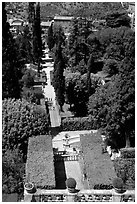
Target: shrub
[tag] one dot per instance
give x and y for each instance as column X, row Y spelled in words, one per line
column 103, row 187
column 39, row 166
column 118, row 183
column 127, row 153
column 21, row 120
column 71, row 183
column 125, row 169
column 13, row 170
column 73, row 124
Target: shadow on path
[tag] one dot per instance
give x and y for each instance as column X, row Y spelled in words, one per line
column 60, row 174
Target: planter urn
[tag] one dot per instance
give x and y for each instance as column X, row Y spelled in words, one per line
column 29, row 187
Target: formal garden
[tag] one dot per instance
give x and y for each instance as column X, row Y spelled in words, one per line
column 94, row 77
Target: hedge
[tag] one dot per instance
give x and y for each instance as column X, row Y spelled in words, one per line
column 73, row 124
column 127, row 153
column 97, row 166
column 40, row 166
column 125, row 169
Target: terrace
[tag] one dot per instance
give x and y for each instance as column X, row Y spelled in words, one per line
column 45, row 162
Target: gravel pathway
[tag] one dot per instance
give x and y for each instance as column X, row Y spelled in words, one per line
column 73, row 170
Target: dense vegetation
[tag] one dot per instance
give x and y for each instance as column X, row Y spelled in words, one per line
column 20, row 120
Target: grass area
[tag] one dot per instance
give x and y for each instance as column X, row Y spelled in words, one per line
column 97, row 166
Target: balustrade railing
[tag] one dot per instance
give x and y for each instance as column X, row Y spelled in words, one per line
column 80, row 196
column 65, row 157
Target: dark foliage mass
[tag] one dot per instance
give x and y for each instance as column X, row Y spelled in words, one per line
column 12, row 64
column 125, row 169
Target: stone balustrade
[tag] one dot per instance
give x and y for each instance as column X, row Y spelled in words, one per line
column 79, row 196
column 66, row 157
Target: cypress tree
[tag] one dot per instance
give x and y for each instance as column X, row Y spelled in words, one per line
column 11, row 62
column 37, row 41
column 50, row 38
column 58, row 78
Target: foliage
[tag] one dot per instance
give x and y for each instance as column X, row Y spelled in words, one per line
column 127, row 153
column 113, row 105
column 77, row 92
column 81, row 67
column 31, row 12
column 37, row 41
column 21, row 120
column 117, row 19
column 103, row 187
column 78, row 48
column 118, row 183
column 50, row 38
column 58, row 77
column 12, row 64
column 13, row 170
column 71, row 183
column 73, row 124
column 113, row 108
column 24, row 44
column 125, row 169
column 111, row 66
column 28, row 78
column 95, row 10
column 39, row 166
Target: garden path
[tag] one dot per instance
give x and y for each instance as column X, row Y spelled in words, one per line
column 73, row 171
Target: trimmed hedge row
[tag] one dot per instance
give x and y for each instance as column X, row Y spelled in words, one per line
column 73, row 124
column 127, row 153
column 40, row 166
column 125, row 169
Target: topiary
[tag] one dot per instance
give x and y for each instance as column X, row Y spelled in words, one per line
column 71, row 183
column 118, row 185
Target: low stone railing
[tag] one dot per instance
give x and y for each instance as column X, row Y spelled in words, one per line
column 79, row 196
column 66, row 157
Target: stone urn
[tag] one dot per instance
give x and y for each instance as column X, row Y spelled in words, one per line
column 71, row 185
column 118, row 185
column 30, row 187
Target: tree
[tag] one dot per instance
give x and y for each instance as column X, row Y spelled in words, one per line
column 37, row 42
column 13, row 170
column 89, row 69
column 12, row 64
column 50, row 38
column 117, row 19
column 24, row 44
column 113, row 107
column 78, row 47
column 21, row 120
column 58, row 78
column 31, row 12
column 76, row 93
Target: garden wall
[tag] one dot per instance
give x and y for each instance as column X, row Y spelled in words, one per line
column 40, row 166
column 97, row 166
